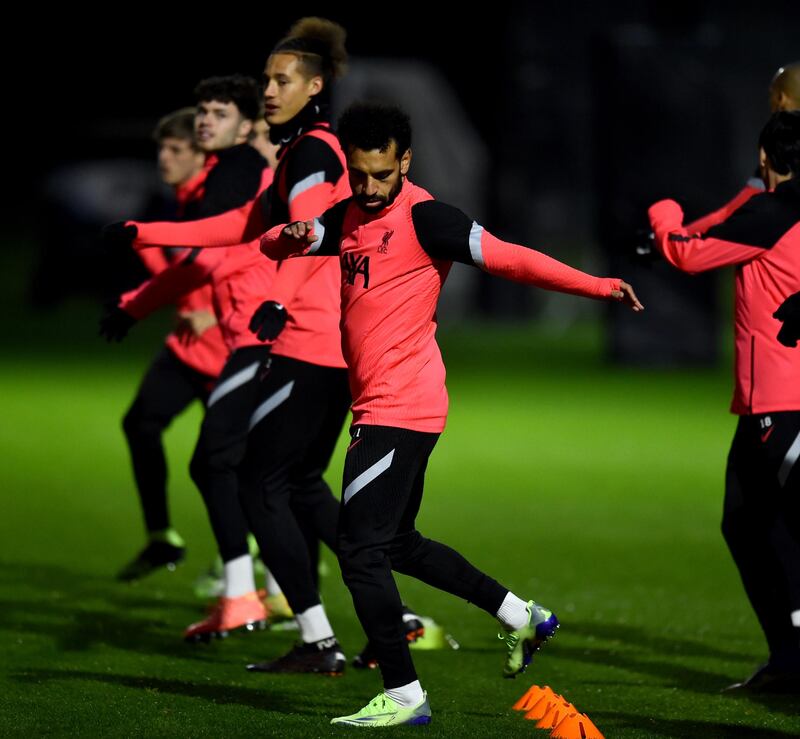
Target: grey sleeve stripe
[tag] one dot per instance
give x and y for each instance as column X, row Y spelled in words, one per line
column 319, row 232
column 367, row 476
column 270, row 404
column 306, row 184
column 475, row 236
column 234, row 381
column 756, row 182
column 789, row 460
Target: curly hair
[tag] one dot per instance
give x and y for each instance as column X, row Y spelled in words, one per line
column 238, row 89
column 369, row 126
column 319, row 44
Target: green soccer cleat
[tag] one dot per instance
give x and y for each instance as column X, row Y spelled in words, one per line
column 382, row 711
column 524, row 642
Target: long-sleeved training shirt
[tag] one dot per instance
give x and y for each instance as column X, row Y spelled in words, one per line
column 393, row 266
column 310, row 178
column 762, row 239
column 237, row 277
column 754, row 186
column 207, row 353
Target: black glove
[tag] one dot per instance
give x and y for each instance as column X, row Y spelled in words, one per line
column 115, row 324
column 268, row 320
column 789, row 313
column 117, row 235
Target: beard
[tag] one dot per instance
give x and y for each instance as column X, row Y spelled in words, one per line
column 379, row 202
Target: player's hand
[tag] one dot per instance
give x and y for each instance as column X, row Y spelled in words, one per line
column 789, row 313
column 118, row 235
column 626, row 295
column 115, row 324
column 268, row 320
column 300, row 231
column 193, row 324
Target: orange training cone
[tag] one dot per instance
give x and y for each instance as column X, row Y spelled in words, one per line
column 555, row 715
column 576, row 726
column 534, row 692
column 535, row 710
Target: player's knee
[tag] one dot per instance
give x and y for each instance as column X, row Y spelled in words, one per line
column 405, row 548
column 139, row 424
column 359, row 562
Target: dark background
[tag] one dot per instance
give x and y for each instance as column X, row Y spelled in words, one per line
column 587, row 112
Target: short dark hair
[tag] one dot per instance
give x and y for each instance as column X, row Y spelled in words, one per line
column 780, row 140
column 176, row 125
column 238, row 89
column 369, row 126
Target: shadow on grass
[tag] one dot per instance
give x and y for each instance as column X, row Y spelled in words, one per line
column 684, row 728
column 80, row 612
column 279, row 695
column 626, row 634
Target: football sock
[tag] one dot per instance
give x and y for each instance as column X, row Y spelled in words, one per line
column 239, row 576
column 271, row 584
column 513, row 612
column 314, row 624
column 406, row 696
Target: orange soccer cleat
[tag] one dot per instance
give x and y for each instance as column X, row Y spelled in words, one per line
column 245, row 611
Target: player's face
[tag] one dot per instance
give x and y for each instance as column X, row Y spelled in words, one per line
column 178, row 160
column 219, row 125
column 286, row 88
column 376, row 176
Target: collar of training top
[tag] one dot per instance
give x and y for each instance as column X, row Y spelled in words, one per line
column 314, row 113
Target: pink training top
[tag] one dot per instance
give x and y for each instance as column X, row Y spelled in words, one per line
column 310, row 178
column 393, row 266
column 762, row 238
column 207, row 353
column 238, row 277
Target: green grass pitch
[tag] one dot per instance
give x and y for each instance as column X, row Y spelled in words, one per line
column 594, row 490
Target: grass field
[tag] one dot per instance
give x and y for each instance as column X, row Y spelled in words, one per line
column 594, row 490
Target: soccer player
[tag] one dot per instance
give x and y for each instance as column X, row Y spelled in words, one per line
column 396, row 244
column 784, row 94
column 304, row 396
column 227, row 107
column 761, row 519
column 301, row 400
column 185, row 368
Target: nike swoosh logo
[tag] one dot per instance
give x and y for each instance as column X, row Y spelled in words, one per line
column 766, row 436
column 377, row 716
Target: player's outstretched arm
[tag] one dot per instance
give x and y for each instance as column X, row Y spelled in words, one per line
column 742, row 237
column 170, row 284
column 232, row 228
column 318, row 237
column 448, row 234
column 754, row 186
